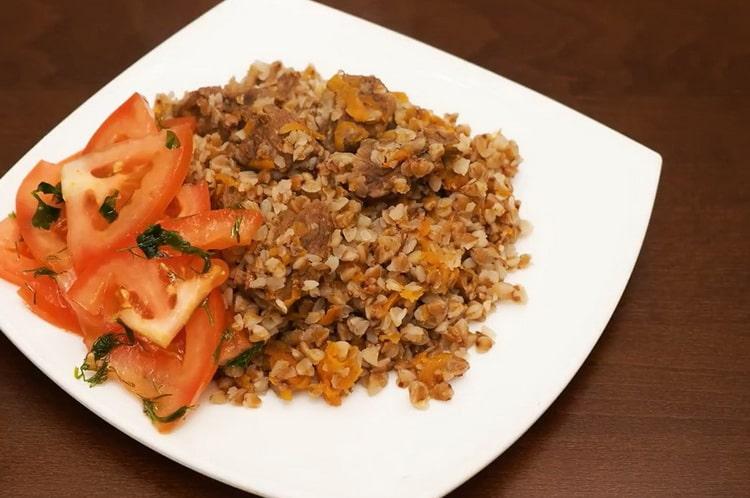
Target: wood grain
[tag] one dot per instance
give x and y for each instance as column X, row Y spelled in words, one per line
column 661, row 407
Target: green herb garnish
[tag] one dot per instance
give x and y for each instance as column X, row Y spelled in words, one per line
column 54, row 190
column 97, row 378
column 45, row 215
column 155, row 236
column 128, row 332
column 243, row 359
column 42, row 271
column 12, row 215
column 172, row 141
column 100, row 350
column 236, row 229
column 108, row 208
column 104, row 345
column 149, row 408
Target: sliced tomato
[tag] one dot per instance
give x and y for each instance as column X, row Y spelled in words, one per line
column 174, row 378
column 154, row 297
column 45, row 299
column 91, row 326
column 217, row 229
column 193, row 198
column 38, row 285
column 133, row 119
column 16, row 261
column 233, row 346
column 172, row 122
column 162, row 319
column 144, row 174
column 49, row 246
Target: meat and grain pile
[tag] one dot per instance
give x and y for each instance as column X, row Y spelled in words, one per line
column 388, row 230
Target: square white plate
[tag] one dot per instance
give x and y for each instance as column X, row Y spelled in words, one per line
column 587, row 190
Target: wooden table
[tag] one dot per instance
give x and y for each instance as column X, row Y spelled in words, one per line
column 661, row 407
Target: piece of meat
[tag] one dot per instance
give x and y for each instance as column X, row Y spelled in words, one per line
column 266, row 139
column 208, row 117
column 365, row 99
column 195, row 103
column 317, row 218
column 264, row 126
column 312, row 226
column 365, row 178
column 285, row 85
column 262, row 141
column 242, row 153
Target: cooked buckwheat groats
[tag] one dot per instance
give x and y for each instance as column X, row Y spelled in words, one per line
column 387, row 231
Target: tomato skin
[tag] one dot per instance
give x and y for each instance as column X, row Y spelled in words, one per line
column 93, row 266
column 41, row 293
column 16, row 261
column 181, row 374
column 48, row 246
column 193, row 198
column 172, row 122
column 162, row 328
column 215, row 230
column 154, row 297
column 91, row 326
column 89, row 237
column 44, row 297
column 231, row 348
column 202, row 336
column 133, row 119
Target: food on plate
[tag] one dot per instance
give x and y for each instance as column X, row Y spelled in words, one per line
column 113, row 194
column 281, row 232
column 387, row 230
column 117, row 245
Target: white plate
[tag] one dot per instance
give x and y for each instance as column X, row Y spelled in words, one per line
column 587, row 190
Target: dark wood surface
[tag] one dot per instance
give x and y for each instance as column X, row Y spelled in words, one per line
column 662, row 405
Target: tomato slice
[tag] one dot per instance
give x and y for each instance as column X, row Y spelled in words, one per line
column 172, row 122
column 44, row 297
column 193, row 198
column 133, row 119
column 49, row 246
column 39, row 289
column 141, row 176
column 91, row 326
column 16, row 261
column 171, row 314
column 153, row 297
column 173, row 378
column 233, row 346
column 217, row 229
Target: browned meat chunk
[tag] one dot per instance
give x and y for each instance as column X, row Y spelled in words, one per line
column 311, row 224
column 365, row 100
